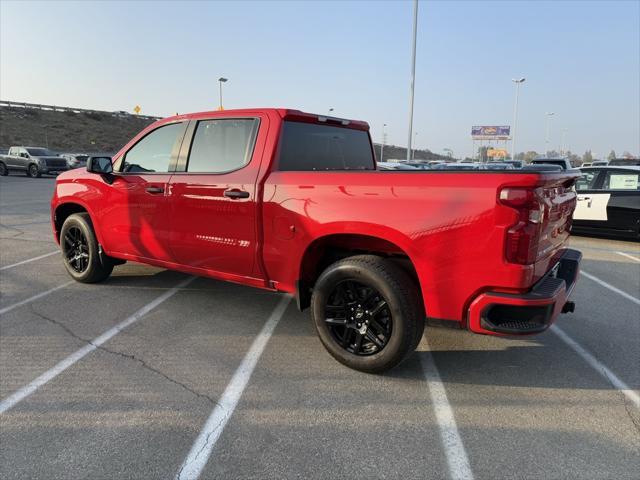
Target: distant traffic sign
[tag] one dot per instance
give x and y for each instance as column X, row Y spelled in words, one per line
column 137, row 109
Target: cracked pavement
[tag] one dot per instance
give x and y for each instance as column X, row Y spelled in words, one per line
column 132, row 408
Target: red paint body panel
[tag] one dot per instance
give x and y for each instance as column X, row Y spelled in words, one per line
column 449, row 224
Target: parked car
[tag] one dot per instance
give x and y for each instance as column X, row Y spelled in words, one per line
column 292, row 202
column 608, row 201
column 75, row 160
column 394, row 166
column 563, row 163
column 599, row 163
column 513, row 163
column 34, row 161
column 625, row 162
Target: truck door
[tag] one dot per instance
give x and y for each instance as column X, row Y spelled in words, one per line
column 592, row 201
column 213, row 197
column 137, row 218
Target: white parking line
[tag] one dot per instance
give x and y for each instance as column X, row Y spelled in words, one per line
column 598, row 366
column 629, row 256
column 202, row 448
column 49, row 375
column 35, row 297
column 29, row 260
column 454, row 450
column 611, row 287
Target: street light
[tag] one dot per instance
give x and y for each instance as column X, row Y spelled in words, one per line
column 221, row 80
column 415, row 142
column 549, row 115
column 384, row 139
column 46, row 135
column 564, row 134
column 517, row 81
column 413, row 75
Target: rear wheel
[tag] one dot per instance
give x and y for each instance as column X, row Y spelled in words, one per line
column 4, row 171
column 33, row 171
column 367, row 312
column 80, row 250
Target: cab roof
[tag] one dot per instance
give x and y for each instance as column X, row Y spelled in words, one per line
column 284, row 113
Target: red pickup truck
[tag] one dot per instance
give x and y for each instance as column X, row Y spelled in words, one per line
column 292, row 202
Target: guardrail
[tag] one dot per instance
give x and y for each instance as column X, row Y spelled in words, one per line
column 55, row 108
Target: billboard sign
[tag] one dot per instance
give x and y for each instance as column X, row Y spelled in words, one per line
column 491, row 132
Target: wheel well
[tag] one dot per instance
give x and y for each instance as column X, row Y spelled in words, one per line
column 324, row 251
column 62, row 213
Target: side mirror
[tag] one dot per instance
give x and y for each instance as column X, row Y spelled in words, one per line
column 99, row 165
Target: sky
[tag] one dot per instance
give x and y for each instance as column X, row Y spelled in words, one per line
column 581, row 60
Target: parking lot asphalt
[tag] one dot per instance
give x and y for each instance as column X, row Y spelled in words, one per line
column 163, row 353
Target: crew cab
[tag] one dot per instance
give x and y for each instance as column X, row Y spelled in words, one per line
column 292, row 202
column 34, row 161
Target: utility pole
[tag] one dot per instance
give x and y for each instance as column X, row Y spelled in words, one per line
column 384, row 140
column 413, row 76
column 546, row 141
column 515, row 117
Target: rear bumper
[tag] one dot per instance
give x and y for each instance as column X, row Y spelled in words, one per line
column 495, row 313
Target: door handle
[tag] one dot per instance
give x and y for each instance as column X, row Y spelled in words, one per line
column 154, row 190
column 581, row 199
column 234, row 194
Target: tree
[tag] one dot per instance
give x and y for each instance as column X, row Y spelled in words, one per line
column 573, row 158
column 627, row 155
column 587, row 157
column 612, row 155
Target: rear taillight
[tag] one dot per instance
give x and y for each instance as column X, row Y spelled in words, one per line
column 523, row 236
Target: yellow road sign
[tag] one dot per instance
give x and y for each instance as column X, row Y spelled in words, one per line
column 137, row 109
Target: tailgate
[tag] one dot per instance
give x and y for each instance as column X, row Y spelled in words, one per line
column 558, row 201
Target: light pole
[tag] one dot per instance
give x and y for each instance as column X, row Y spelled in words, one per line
column 564, row 134
column 46, row 135
column 549, row 115
column 221, row 80
column 448, row 151
column 517, row 81
column 384, row 140
column 415, row 144
column 413, row 75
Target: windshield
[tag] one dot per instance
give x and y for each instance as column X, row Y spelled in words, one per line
column 40, row 152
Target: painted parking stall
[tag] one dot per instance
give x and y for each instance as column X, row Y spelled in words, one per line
column 138, row 403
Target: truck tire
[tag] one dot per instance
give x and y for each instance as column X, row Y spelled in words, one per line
column 80, row 251
column 32, row 171
column 368, row 313
column 4, row 171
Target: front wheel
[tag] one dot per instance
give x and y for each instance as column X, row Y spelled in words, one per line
column 367, row 312
column 4, row 171
column 80, row 250
column 33, row 171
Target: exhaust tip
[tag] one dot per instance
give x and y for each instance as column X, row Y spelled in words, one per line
column 569, row 307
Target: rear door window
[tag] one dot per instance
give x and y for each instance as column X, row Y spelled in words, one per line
column 222, row 145
column 310, row 146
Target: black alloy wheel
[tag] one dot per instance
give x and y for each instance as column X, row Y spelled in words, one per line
column 76, row 249
column 367, row 312
column 358, row 318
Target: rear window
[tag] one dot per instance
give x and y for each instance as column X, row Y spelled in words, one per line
column 310, row 146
